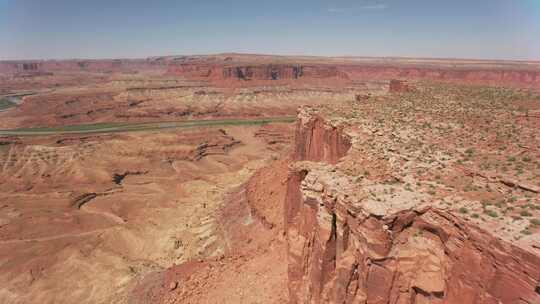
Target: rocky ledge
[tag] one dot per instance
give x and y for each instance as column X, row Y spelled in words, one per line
column 361, row 226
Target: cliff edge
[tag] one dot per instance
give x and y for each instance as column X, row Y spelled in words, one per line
column 391, row 201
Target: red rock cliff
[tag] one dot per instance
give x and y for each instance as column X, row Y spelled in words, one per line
column 347, row 73
column 343, row 250
column 94, row 65
column 218, row 72
column 317, row 140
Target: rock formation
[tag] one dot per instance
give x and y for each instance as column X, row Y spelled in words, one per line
column 399, row 86
column 267, row 68
column 225, row 72
column 343, row 248
column 350, row 70
column 318, row 141
column 97, row 65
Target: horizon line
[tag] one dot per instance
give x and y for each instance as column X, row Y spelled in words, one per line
column 274, row 55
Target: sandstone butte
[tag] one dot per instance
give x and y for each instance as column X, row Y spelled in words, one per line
column 400, row 182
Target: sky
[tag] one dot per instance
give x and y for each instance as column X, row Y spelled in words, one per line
column 61, row 29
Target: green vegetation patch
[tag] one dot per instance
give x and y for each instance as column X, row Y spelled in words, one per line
column 131, row 127
column 6, row 104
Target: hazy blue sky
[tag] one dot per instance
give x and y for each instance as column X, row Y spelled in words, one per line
column 505, row 29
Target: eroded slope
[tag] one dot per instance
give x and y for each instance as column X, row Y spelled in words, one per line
column 85, row 217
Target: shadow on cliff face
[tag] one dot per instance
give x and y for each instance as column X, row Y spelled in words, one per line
column 318, row 141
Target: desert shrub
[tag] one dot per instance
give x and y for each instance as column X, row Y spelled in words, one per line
column 525, row 213
column 491, row 213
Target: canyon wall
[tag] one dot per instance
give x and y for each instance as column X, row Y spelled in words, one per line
column 344, row 71
column 193, row 71
column 343, row 250
column 349, row 73
column 472, row 75
column 317, row 140
column 218, row 72
column 101, row 65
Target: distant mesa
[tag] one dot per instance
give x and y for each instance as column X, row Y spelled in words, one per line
column 256, row 72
